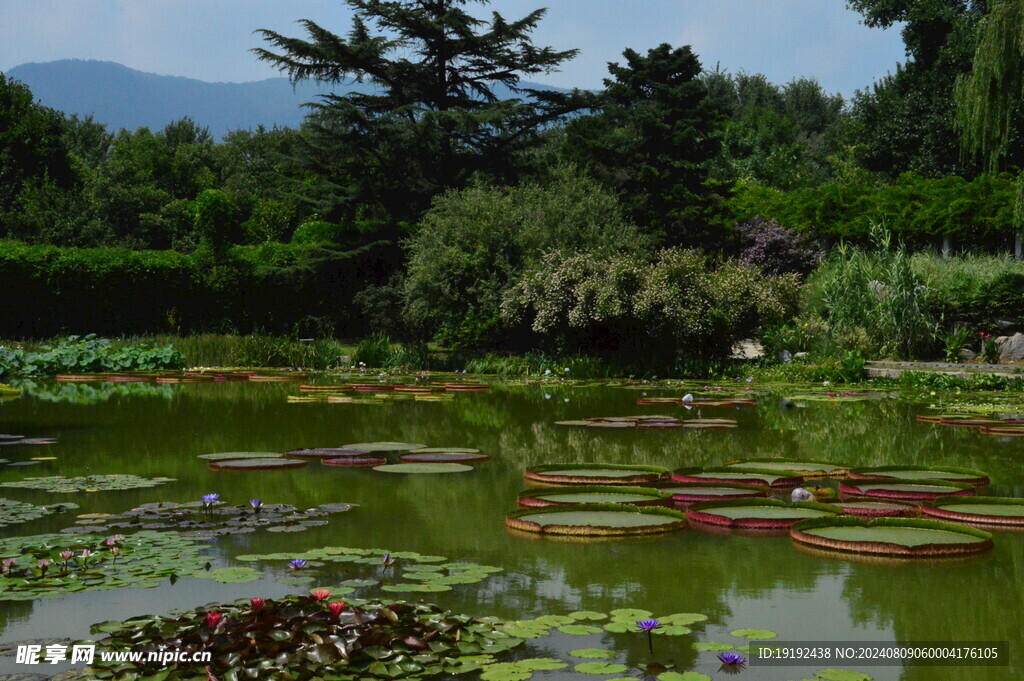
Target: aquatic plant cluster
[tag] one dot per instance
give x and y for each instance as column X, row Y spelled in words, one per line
column 86, row 354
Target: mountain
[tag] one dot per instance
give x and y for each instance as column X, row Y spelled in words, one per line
column 122, row 97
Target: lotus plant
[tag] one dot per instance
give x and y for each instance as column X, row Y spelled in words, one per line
column 648, row 626
column 297, row 564
column 115, row 552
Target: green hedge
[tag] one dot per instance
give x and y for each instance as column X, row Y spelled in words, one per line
column 914, row 207
column 276, row 288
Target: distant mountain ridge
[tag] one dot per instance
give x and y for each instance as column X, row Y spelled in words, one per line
column 122, row 97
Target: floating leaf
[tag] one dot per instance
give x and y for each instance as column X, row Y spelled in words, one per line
column 682, row 618
column 842, row 675
column 418, row 468
column 600, row 668
column 684, row 676
column 229, row 575
column 588, row 615
column 712, row 646
column 508, row 671
column 228, row 456
column 86, row 483
column 542, row 664
column 753, row 634
column 579, row 629
column 631, row 615
column 592, row 653
column 672, row 630
column 383, row 447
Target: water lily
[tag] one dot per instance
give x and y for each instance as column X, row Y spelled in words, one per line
column 257, row 603
column 648, row 626
column 386, row 561
column 43, row 565
column 256, row 504
column 320, row 594
column 109, row 541
column 213, row 619
column 750, row 379
column 210, row 499
column 336, row 607
column 297, row 564
column 732, row 663
column 115, row 552
column 66, row 555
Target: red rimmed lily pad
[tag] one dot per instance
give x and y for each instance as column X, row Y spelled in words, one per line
column 592, row 494
column 888, row 488
column 598, row 520
column 327, row 453
column 946, row 473
column 758, row 514
column 710, row 424
column 423, row 468
column 870, row 508
column 1004, row 430
column 902, row 537
column 443, row 457
column 230, row 456
column 979, row 510
column 256, row 464
column 466, row 387
column 355, row 461
column 385, row 447
column 324, row 388
column 697, row 492
column 754, row 476
column 594, row 474
column 966, row 421
column 806, row 468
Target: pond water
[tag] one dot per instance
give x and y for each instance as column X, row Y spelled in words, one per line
column 739, row 582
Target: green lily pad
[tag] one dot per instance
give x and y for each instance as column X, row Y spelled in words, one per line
column 682, row 618
column 600, row 668
column 906, row 537
column 842, row 675
column 617, row 627
column 228, row 456
column 229, row 575
column 712, row 646
column 631, row 615
column 684, row 676
column 542, row 664
column 13, row 512
column 592, row 653
column 418, row 468
column 257, row 464
column 384, row 447
column 506, row 671
column 672, row 630
column 86, row 483
column 592, row 474
column 591, row 615
column 753, row 634
column 579, row 629
column 596, row 520
column 554, row 620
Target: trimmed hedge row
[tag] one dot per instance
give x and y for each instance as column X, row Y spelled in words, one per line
column 48, row 290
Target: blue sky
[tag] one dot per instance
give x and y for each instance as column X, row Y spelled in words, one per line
column 210, row 39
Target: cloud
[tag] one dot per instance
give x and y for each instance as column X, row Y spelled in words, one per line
column 211, row 39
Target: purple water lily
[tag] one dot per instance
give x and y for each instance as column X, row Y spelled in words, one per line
column 732, row 658
column 256, row 504
column 648, row 626
column 386, row 561
column 297, row 564
column 210, row 499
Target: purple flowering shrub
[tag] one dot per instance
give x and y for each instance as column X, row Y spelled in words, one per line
column 776, row 249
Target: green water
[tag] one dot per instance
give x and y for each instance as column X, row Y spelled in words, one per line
column 739, row 582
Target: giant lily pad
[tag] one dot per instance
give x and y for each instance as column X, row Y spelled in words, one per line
column 256, row 464
column 887, row 488
column 752, row 476
column 594, row 474
column 695, row 492
column 981, row 510
column 423, row 456
column 869, row 508
column 14, row 512
column 949, row 473
column 420, row 468
column 592, row 494
column 903, row 537
column 760, row 514
column 327, row 453
column 806, row 468
column 86, row 483
column 597, row 520
column 355, row 461
column 231, row 456
column 384, row 447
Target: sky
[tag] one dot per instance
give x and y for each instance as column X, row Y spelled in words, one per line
column 210, row 39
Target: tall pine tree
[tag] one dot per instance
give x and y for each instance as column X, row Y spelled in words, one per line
column 443, row 100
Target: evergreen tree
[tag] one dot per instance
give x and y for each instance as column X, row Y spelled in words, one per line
column 434, row 109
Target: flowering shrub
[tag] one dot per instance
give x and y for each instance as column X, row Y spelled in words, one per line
column 775, row 248
column 678, row 303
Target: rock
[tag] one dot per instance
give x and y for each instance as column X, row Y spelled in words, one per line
column 968, row 354
column 748, row 349
column 786, row 357
column 1005, row 324
column 1012, row 349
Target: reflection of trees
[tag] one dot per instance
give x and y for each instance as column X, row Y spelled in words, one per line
column 90, row 393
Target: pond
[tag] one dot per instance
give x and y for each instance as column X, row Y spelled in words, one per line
column 739, row 582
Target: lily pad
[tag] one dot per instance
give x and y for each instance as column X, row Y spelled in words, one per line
column 588, row 615
column 229, row 456
column 696, row 492
column 383, row 447
column 594, row 474
column 355, row 461
column 419, row 468
column 683, row 618
column 229, row 575
column 597, row 520
column 758, row 513
column 579, row 629
column 902, row 537
column 683, row 676
column 13, row 512
column 712, row 646
column 592, row 653
column 887, row 488
column 443, row 457
column 86, row 483
column 630, row 615
column 592, row 494
column 948, row 473
column 446, row 450
column 842, row 675
column 327, row 453
column 256, row 464
column 807, row 468
column 752, row 476
column 754, row 634
column 981, row 510
column 600, row 668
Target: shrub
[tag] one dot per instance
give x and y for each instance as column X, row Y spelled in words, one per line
column 680, row 303
column 318, row 232
column 775, row 248
column 474, row 243
column 87, row 354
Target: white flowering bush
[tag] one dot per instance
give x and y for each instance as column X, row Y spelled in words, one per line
column 678, row 303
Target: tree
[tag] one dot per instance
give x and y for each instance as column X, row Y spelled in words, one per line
column 651, row 139
column 31, row 147
column 989, row 99
column 432, row 110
